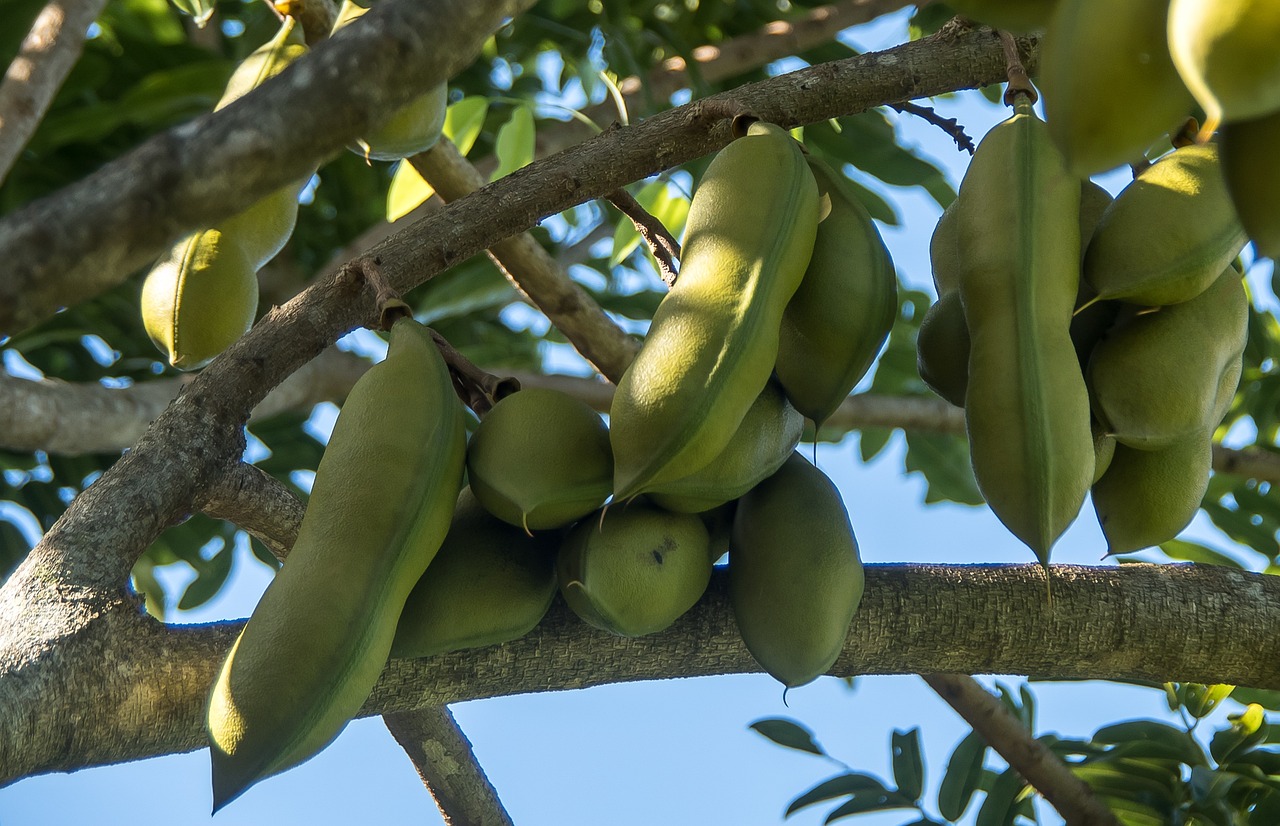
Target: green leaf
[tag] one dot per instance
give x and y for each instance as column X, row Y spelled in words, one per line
column 1151, row 738
column 625, row 235
column 464, row 120
column 13, row 548
column 1154, row 783
column 209, row 579
column 788, row 733
column 199, row 10
column 407, row 192
column 964, row 774
column 1200, row 700
column 943, row 460
column 1001, row 803
column 908, row 765
column 852, row 783
column 872, row 440
column 1248, row 729
column 1192, row 552
column 869, row 802
column 515, row 143
column 1263, row 697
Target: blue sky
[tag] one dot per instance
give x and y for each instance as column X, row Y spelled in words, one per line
column 676, row 751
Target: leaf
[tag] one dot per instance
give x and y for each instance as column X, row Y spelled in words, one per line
column 964, row 773
column 1248, row 729
column 199, row 10
column 1153, row 783
column 515, row 143
column 788, row 733
column 999, row 807
column 872, row 440
column 869, row 802
column 464, row 120
column 625, row 235
column 407, row 192
column 943, row 460
column 209, row 580
column 1192, row 552
column 1151, row 738
column 1200, row 700
column 908, row 765
column 852, row 783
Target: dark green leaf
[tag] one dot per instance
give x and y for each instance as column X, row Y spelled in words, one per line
column 1000, row 805
column 964, row 773
column 788, row 733
column 845, row 784
column 872, row 440
column 943, row 460
column 868, row 802
column 1192, row 552
column 209, row 580
column 1248, row 729
column 908, row 765
column 1151, row 738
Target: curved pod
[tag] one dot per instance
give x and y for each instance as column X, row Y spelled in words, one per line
column 1251, row 167
column 1148, row 496
column 1228, row 52
column 380, row 507
column 714, row 338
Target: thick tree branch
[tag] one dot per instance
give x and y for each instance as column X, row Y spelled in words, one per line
column 1004, row 732
column 123, row 687
column 72, row 245
column 448, row 767
column 259, row 503
column 34, row 77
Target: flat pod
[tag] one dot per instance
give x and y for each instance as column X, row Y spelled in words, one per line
column 489, row 583
column 1110, row 87
column 795, row 579
column 199, row 299
column 1251, row 166
column 636, row 569
column 768, row 434
column 540, row 459
column 1169, row 233
column 1148, row 496
column 1228, row 52
column 1026, row 406
column 1154, row 377
column 381, row 504
column 840, row 316
column 713, row 342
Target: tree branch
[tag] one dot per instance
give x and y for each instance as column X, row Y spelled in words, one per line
column 1004, row 732
column 124, row 687
column 257, row 502
column 34, row 77
column 664, row 247
column 448, row 767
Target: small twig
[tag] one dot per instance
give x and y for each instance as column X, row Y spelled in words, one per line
column 949, row 125
column 1019, row 83
column 36, row 74
column 257, row 502
column 665, row 248
column 1004, row 732
column 448, row 767
column 479, row 389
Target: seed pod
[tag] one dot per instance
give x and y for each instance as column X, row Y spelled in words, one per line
column 1026, row 407
column 490, row 583
column 636, row 569
column 714, row 338
column 1110, row 88
column 795, row 579
column 768, row 434
column 540, row 459
column 944, row 251
column 839, row 317
column 1148, row 496
column 1154, row 377
column 380, row 507
column 1168, row 235
column 200, row 298
column 1252, row 169
column 942, row 349
column 1226, row 52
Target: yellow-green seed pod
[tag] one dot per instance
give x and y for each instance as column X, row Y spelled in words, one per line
column 1110, row 88
column 263, row 229
column 199, row 299
column 1169, row 233
column 942, row 349
column 944, row 251
column 1104, row 449
column 490, row 583
column 1228, row 52
column 714, row 338
column 540, row 459
column 795, row 579
column 768, row 434
column 413, row 128
column 839, row 317
column 1019, row 16
column 1154, row 377
column 1251, row 166
column 1148, row 496
column 380, row 507
column 1026, row 406
column 636, row 569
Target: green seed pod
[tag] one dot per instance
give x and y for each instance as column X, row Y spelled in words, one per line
column 413, row 128
column 839, row 317
column 490, row 583
column 795, row 579
column 1168, row 235
column 1148, row 496
column 713, row 342
column 1227, row 53
column 1154, row 378
column 768, row 434
column 1252, row 168
column 380, row 507
column 636, row 569
column 540, row 459
column 1110, row 88
column 1026, row 407
column 719, row 522
column 944, row 251
column 200, row 298
column 1019, row 16
column 1104, row 449
column 942, row 349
